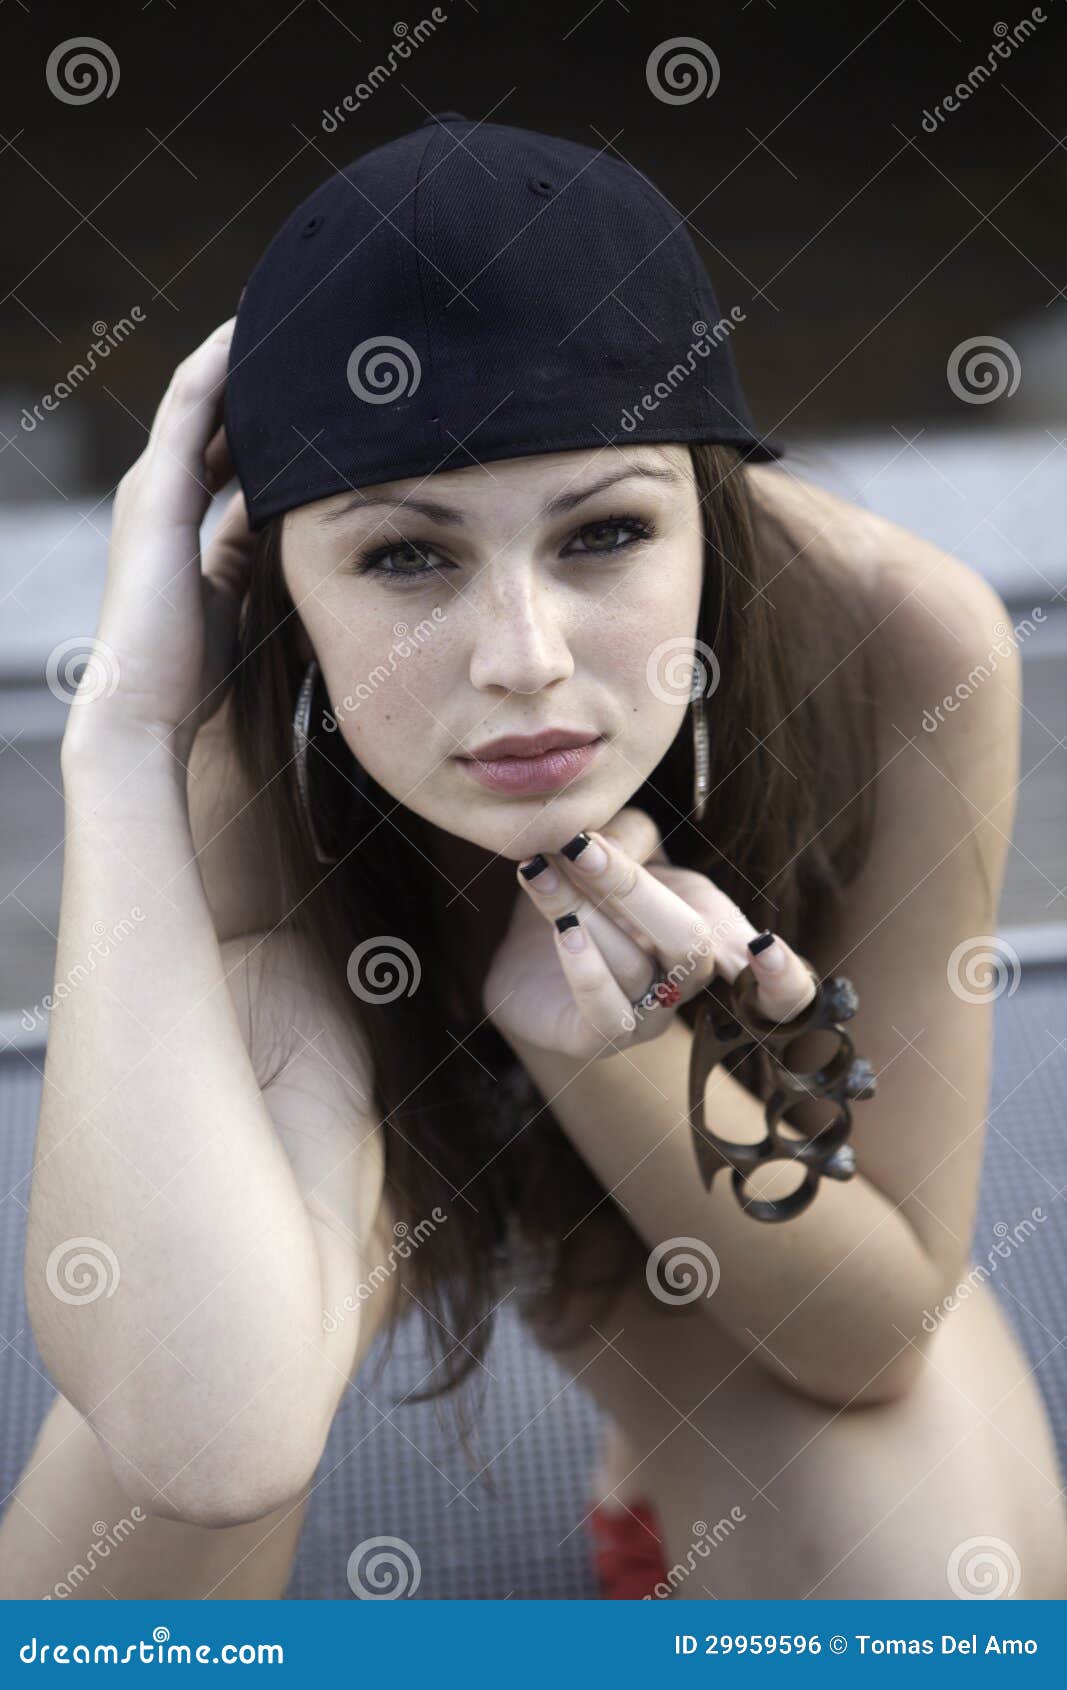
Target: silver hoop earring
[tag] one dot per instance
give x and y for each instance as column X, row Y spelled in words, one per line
column 301, row 741
column 701, row 747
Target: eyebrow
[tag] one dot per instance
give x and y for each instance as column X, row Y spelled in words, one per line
column 450, row 516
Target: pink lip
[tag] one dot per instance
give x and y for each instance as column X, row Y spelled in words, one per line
column 546, row 772
column 531, row 745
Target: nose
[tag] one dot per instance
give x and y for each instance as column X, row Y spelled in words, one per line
column 519, row 641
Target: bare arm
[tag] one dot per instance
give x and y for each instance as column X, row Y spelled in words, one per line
column 832, row 1301
column 191, row 1335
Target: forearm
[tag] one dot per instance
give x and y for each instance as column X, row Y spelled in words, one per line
column 818, row 1298
column 185, row 1327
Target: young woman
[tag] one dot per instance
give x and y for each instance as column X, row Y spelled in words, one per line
column 345, row 1011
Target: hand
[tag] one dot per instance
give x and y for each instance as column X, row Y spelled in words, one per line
column 168, row 626
column 641, row 918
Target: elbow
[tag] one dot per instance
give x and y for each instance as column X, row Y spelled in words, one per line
column 216, row 1487
column 239, row 1500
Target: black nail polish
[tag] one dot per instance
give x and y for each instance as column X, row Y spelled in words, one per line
column 565, row 921
column 574, row 847
column 761, row 941
column 534, row 867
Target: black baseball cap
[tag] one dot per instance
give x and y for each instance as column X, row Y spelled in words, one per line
column 470, row 292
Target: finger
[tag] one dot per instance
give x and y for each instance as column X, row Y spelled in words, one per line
column 173, row 463
column 636, row 833
column 600, row 999
column 643, row 906
column 785, row 984
column 555, row 895
column 218, row 462
column 229, row 552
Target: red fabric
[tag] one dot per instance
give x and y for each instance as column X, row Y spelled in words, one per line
column 628, row 1550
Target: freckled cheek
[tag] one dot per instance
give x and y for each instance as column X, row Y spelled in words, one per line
column 399, row 726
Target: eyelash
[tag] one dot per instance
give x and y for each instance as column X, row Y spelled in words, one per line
column 372, row 562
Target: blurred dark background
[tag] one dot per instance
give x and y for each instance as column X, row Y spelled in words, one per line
column 861, row 247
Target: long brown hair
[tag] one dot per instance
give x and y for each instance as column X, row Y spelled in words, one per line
column 786, row 827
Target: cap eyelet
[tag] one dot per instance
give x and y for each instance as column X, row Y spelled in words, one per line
column 311, row 226
column 541, row 185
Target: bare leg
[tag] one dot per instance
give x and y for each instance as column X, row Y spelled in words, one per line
column 952, row 1490
column 69, row 1531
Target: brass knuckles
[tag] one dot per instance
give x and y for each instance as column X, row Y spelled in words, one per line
column 844, row 1076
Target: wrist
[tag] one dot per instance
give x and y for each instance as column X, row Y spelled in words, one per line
column 99, row 751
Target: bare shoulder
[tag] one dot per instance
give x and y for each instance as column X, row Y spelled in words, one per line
column 315, row 1077
column 938, row 626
